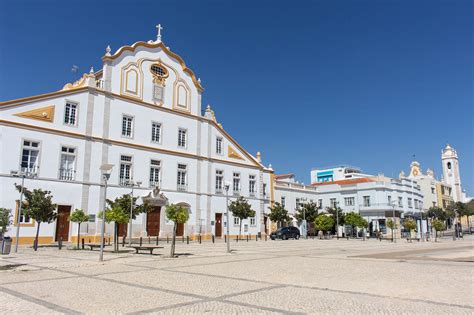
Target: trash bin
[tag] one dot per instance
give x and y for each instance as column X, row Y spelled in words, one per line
column 6, row 245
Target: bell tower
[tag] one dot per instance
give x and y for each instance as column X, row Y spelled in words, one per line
column 449, row 158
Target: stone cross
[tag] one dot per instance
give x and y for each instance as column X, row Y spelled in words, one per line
column 159, row 28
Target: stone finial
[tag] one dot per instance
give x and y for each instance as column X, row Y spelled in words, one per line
column 270, row 166
column 259, row 156
column 158, row 35
column 402, row 174
column 108, row 50
column 199, row 80
column 91, row 71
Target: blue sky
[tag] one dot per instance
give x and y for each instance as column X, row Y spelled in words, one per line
column 307, row 83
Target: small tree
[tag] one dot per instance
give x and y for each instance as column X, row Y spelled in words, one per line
column 362, row 224
column 438, row 225
column 436, row 213
column 5, row 220
column 410, row 225
column 337, row 216
column 323, row 222
column 241, row 209
column 38, row 205
column 179, row 215
column 391, row 224
column 278, row 214
column 308, row 211
column 79, row 216
column 353, row 219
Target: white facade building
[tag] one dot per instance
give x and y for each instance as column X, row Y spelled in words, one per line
column 142, row 113
column 451, row 174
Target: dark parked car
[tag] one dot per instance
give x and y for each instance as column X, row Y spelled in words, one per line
column 285, row 233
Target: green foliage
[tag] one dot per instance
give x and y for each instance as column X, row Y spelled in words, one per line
column 438, row 225
column 355, row 220
column 391, row 224
column 436, row 213
column 410, row 224
column 5, row 219
column 340, row 215
column 279, row 214
column 323, row 222
column 79, row 216
column 308, row 210
column 177, row 214
column 241, row 209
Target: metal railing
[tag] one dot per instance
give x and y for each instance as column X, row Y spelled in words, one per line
column 182, row 187
column 66, row 173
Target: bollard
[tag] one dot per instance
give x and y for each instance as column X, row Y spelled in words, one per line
column 212, row 238
column 149, row 240
column 109, row 240
column 225, row 238
column 141, row 241
column 82, row 243
column 247, row 238
column 187, row 240
column 182, row 238
column 265, row 237
column 123, row 241
column 256, row 238
column 60, row 243
column 200, row 239
column 157, row 240
column 167, row 239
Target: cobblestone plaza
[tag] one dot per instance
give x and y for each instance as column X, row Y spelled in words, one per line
column 296, row 276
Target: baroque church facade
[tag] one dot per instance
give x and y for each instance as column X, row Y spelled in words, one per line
column 141, row 113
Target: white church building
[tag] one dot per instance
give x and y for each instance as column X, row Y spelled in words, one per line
column 141, row 112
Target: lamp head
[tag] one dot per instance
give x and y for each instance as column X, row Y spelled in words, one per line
column 106, row 168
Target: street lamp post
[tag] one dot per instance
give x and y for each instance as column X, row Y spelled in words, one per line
column 337, row 219
column 394, row 225
column 227, row 186
column 305, row 233
column 106, row 170
column 132, row 184
column 23, row 175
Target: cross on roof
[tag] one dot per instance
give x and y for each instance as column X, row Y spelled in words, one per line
column 158, row 36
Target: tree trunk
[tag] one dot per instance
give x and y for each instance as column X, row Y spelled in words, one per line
column 173, row 241
column 436, row 235
column 36, row 238
column 78, row 234
column 240, row 229
column 115, row 237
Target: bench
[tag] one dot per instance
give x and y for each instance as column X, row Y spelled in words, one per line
column 409, row 239
column 92, row 246
column 150, row 248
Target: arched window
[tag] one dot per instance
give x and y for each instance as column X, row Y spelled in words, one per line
column 449, row 165
column 182, row 96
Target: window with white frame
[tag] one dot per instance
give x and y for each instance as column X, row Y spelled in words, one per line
column 182, row 137
column 219, row 181
column 400, row 201
column 333, row 202
column 236, row 221
column 236, row 183
column 366, row 201
column 297, row 203
column 349, row 201
column 252, row 185
column 156, row 132
column 155, row 173
column 416, row 204
column 320, row 203
column 127, row 126
column 264, row 190
column 389, row 199
column 125, row 169
column 182, row 177
column 283, row 201
column 253, row 221
column 24, row 218
column 219, row 145
column 410, row 203
column 30, row 157
column 67, row 169
column 70, row 114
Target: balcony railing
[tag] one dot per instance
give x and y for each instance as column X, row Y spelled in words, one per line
column 29, row 170
column 66, row 173
column 182, row 187
column 155, row 184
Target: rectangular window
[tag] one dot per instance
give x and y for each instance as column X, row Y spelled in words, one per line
column 127, row 126
column 333, row 202
column 236, row 183
column 432, row 190
column 320, row 203
column 182, row 180
column 23, row 217
column 156, row 132
column 389, row 199
column 298, row 203
column 252, row 185
column 219, row 145
column 182, row 134
column 125, row 169
column 349, row 201
column 68, row 163
column 30, row 157
column 70, row 114
column 410, row 203
column 155, row 173
column 416, row 204
column 366, row 201
column 236, row 221
column 400, row 201
column 219, row 181
column 264, row 188
column 283, row 202
column 253, row 221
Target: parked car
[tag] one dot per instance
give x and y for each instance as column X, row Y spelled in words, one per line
column 285, row 233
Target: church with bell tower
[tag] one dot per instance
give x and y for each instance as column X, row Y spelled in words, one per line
column 451, row 174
